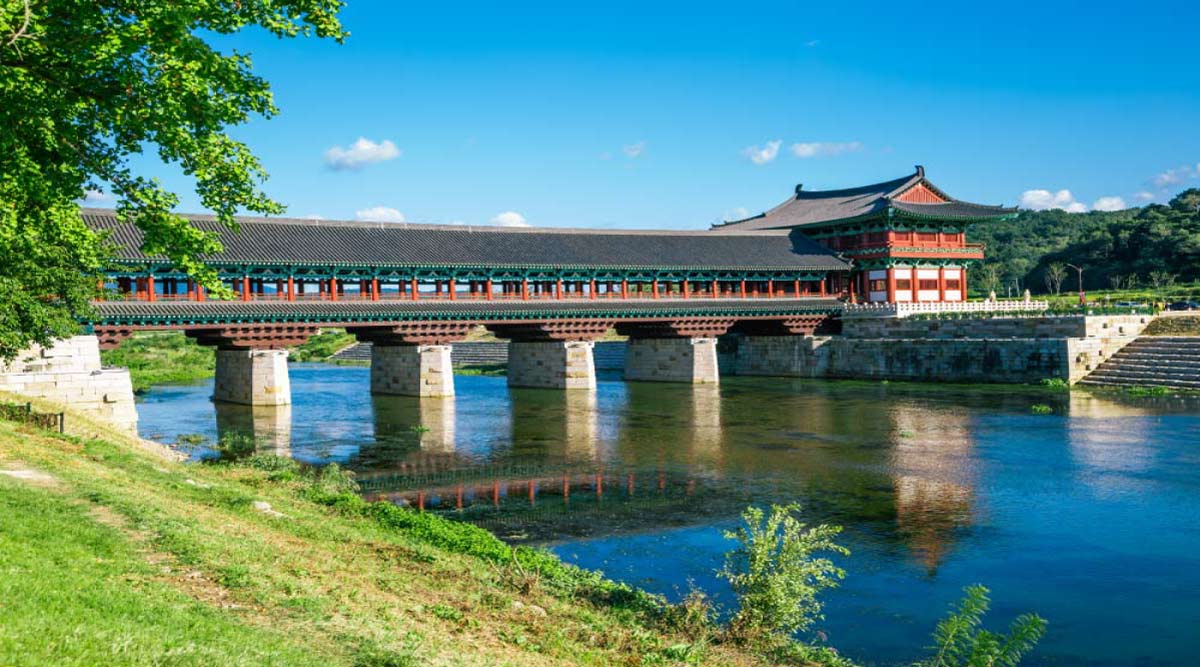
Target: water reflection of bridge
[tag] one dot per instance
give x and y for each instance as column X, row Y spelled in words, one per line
column 904, row 467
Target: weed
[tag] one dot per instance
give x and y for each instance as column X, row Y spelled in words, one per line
column 1041, row 409
column 1055, row 383
column 959, row 641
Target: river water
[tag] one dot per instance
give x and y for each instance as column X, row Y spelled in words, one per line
column 1089, row 516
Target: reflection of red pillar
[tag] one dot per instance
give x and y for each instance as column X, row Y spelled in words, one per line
column 421, row 501
column 662, row 482
column 566, row 491
column 458, row 497
column 629, row 484
column 599, row 485
column 496, row 493
column 532, row 492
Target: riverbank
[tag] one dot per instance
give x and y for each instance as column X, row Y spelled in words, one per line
column 127, row 556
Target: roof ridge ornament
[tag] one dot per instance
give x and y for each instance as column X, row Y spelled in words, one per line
column 920, row 171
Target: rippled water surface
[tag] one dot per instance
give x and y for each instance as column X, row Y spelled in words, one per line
column 1089, row 516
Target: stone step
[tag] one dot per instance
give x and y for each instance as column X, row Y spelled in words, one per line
column 1174, row 384
column 1141, row 344
column 1155, row 361
column 1144, row 377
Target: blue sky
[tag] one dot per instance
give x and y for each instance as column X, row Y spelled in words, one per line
column 676, row 115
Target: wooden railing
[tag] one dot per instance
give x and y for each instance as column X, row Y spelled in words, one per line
column 935, row 307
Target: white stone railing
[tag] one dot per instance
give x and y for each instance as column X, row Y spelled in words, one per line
column 933, row 308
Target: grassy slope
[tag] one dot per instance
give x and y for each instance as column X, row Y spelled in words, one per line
column 125, row 561
column 161, row 358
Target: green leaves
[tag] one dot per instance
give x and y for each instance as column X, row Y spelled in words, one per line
column 775, row 572
column 959, row 640
column 85, row 87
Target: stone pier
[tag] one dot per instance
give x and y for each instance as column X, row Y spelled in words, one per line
column 70, row 373
column 252, row 377
column 411, row 370
column 689, row 360
column 551, row 364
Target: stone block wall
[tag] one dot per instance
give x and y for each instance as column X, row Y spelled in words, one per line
column 691, row 360
column 996, row 327
column 1015, row 360
column 69, row 372
column 551, row 364
column 412, row 370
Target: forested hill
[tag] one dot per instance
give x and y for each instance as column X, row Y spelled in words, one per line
column 1133, row 247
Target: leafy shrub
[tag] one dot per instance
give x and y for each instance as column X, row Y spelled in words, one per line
column 235, row 445
column 960, row 642
column 774, row 572
column 1055, row 383
column 1041, row 409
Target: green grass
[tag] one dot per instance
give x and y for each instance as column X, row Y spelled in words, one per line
column 161, row 358
column 481, row 369
column 322, row 346
column 1174, row 325
column 131, row 559
column 77, row 592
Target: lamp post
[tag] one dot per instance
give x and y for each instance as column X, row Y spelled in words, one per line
column 1082, row 296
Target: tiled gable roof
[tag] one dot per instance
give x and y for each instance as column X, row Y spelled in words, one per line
column 814, row 207
column 330, row 243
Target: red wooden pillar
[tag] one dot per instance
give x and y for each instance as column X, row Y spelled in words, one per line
column 742, row 289
column 191, row 290
column 891, row 285
column 796, row 287
column 333, row 289
column 245, row 288
column 291, row 289
column 624, row 289
column 524, row 289
column 684, row 289
column 941, row 282
column 415, row 291
column 199, row 292
column 962, row 284
column 374, row 289
column 487, row 287
column 558, row 289
column 592, row 289
column 453, row 289
column 150, row 295
column 715, row 289
column 823, row 279
column 654, row 288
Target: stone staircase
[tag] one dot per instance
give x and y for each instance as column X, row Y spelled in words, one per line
column 1152, row 361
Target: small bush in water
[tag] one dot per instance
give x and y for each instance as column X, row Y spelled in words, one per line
column 960, row 642
column 1041, row 409
column 775, row 572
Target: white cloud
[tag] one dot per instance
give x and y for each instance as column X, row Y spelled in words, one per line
column 1176, row 176
column 1144, row 196
column 96, row 196
column 1109, row 204
column 764, row 154
column 510, row 219
column 634, row 151
column 361, row 153
column 1040, row 200
column 379, row 214
column 825, row 148
column 736, row 213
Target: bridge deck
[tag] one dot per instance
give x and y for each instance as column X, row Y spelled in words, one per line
column 178, row 314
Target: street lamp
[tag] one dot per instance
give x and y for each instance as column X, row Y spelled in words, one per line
column 1082, row 296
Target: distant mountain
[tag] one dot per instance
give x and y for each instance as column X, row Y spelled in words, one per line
column 1138, row 245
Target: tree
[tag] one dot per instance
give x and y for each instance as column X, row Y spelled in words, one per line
column 990, row 278
column 774, row 572
column 85, row 87
column 960, row 642
column 1056, row 272
column 1160, row 279
column 1115, row 280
